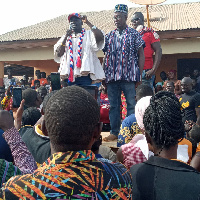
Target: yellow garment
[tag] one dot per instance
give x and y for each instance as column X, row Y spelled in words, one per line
column 38, row 130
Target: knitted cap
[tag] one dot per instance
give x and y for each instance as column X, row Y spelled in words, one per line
column 74, row 15
column 121, row 8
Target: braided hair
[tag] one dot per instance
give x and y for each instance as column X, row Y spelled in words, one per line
column 163, row 120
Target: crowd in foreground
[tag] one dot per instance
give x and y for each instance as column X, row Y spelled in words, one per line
column 56, row 148
column 52, row 144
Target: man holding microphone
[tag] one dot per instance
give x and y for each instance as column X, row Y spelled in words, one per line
column 76, row 52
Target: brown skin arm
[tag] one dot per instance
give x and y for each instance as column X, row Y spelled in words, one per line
column 158, row 54
column 198, row 115
column 97, row 33
column 17, row 115
column 177, row 89
column 61, row 48
column 195, row 162
column 120, row 155
column 141, row 59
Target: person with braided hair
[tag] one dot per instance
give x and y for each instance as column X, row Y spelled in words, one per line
column 162, row 176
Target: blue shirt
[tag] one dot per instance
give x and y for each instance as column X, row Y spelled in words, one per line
column 128, row 130
column 5, row 152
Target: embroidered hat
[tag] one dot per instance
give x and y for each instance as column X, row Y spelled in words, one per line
column 121, row 8
column 74, row 15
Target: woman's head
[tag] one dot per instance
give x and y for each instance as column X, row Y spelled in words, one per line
column 171, row 74
column 140, row 108
column 163, row 120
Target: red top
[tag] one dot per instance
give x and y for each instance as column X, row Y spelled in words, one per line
column 149, row 38
column 43, row 82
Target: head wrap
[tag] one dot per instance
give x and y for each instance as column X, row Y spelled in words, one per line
column 159, row 83
column 140, row 108
column 74, row 15
column 173, row 71
column 121, row 8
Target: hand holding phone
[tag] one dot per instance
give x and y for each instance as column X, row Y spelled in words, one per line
column 55, row 81
column 17, row 97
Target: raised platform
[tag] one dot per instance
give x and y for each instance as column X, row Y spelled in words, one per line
column 112, row 144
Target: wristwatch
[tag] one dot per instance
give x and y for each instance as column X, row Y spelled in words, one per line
column 94, row 27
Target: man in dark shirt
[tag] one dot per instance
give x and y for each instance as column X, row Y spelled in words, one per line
column 190, row 101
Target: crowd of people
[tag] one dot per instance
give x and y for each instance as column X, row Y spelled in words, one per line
column 51, row 145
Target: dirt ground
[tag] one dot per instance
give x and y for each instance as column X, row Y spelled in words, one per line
column 112, row 145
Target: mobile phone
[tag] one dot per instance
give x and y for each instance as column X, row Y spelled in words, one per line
column 17, row 97
column 55, row 81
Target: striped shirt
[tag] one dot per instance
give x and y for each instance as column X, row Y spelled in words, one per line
column 116, row 66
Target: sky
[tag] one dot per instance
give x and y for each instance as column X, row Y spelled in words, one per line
column 17, row 14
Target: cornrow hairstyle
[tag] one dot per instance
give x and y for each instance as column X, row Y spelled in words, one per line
column 163, row 120
column 71, row 116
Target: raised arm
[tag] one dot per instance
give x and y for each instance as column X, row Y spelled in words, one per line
column 22, row 157
column 97, row 33
column 60, row 46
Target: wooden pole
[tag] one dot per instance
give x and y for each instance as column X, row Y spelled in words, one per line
column 148, row 22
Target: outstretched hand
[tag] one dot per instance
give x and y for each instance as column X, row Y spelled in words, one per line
column 17, row 114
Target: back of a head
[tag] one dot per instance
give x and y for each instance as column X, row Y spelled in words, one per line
column 46, row 99
column 163, row 120
column 43, row 74
column 140, row 108
column 195, row 133
column 36, row 81
column 30, row 116
column 42, row 88
column 71, row 116
column 140, row 15
column 143, row 90
column 30, row 97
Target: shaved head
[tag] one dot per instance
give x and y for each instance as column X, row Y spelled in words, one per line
column 187, row 80
column 186, row 85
